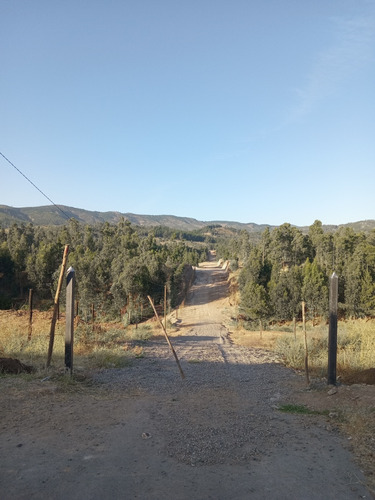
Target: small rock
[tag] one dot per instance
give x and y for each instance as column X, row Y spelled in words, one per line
column 332, row 391
column 146, row 435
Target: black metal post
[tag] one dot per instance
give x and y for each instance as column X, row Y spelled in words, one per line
column 332, row 334
column 69, row 327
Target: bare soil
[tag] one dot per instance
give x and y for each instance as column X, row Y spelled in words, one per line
column 143, row 432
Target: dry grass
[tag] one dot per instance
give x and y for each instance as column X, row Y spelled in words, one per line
column 355, row 349
column 355, row 353
column 96, row 346
column 267, row 340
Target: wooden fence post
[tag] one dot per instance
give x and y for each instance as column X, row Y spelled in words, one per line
column 56, row 305
column 165, row 307
column 306, row 350
column 30, row 314
column 69, row 327
column 332, row 333
column 167, row 338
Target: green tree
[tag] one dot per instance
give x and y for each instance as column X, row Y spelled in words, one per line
column 322, row 247
column 368, row 294
column 19, row 244
column 42, row 264
column 315, row 289
column 285, row 293
column 255, row 303
column 7, row 280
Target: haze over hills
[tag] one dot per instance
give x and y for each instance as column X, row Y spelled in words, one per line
column 51, row 215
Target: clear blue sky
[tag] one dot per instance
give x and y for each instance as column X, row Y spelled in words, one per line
column 249, row 110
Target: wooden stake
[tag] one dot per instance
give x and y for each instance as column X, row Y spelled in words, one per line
column 165, row 307
column 129, row 307
column 56, row 305
column 306, row 351
column 166, row 336
column 30, row 314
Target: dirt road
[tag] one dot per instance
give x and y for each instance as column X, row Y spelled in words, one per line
column 144, row 433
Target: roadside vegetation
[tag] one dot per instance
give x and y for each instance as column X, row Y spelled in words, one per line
column 285, row 267
column 355, row 347
column 96, row 345
column 116, row 266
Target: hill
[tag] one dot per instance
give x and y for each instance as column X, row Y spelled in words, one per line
column 51, row 215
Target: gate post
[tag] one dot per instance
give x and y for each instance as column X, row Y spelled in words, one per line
column 69, row 327
column 332, row 333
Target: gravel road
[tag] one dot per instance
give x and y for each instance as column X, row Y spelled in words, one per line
column 149, row 434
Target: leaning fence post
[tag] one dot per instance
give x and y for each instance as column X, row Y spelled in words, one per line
column 166, row 336
column 332, row 333
column 165, row 307
column 69, row 315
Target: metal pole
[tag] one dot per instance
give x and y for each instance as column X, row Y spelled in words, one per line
column 69, row 327
column 332, row 333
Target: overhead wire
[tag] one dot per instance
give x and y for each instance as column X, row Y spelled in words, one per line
column 36, row 187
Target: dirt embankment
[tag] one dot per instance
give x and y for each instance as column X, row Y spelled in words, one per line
column 144, row 432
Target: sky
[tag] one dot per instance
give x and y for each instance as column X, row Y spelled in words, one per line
column 241, row 110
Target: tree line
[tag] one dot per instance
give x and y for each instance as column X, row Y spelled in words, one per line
column 284, row 267
column 116, row 265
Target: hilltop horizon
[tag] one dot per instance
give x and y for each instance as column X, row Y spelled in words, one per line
column 59, row 214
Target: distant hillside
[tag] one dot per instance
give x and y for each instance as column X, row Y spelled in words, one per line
column 51, row 216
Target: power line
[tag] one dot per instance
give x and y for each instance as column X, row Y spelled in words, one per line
column 36, row 187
